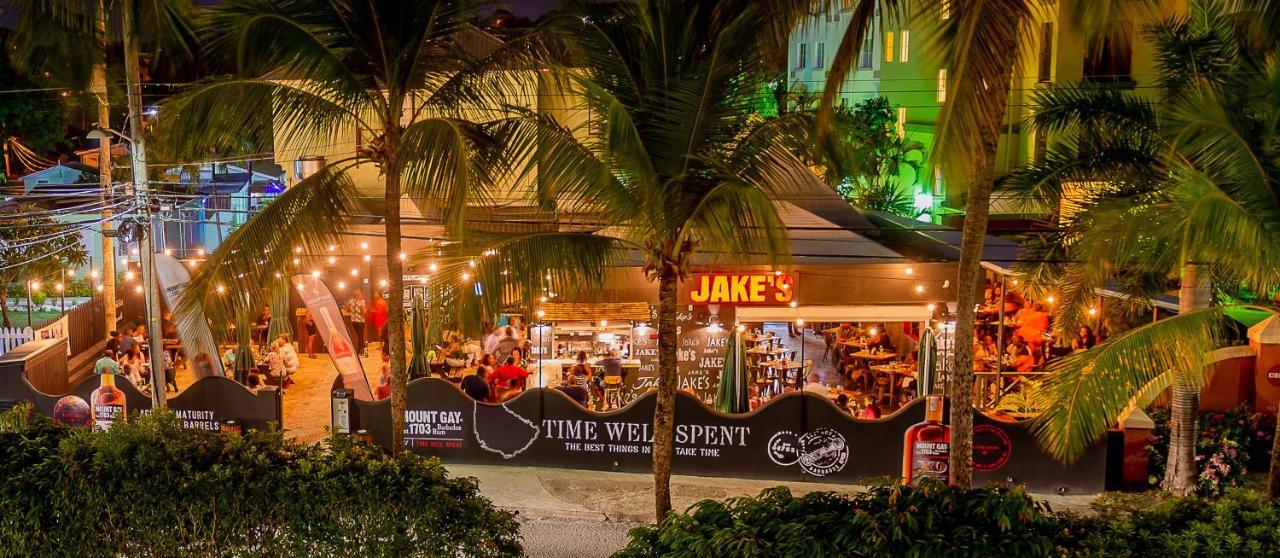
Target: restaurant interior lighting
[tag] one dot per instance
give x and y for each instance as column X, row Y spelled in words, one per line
column 355, row 272
column 423, row 279
column 128, row 276
column 402, row 256
column 873, row 331
column 133, row 251
column 220, row 289
column 433, row 267
column 364, row 245
column 342, row 284
column 296, row 261
column 604, row 323
column 277, row 275
column 382, row 283
column 1093, row 311
column 58, row 286
column 465, row 276
column 1049, row 299
column 137, row 289
column 297, row 249
column 332, row 260
column 932, row 307
column 333, row 247
column 793, row 304
column 909, row 271
column 367, row 257
column 1015, row 282
column 800, row 322
column 777, row 273
column 541, row 314
column 741, row 328
column 543, row 299
column 315, row 274
column 200, row 252
column 920, row 287
column 471, row 263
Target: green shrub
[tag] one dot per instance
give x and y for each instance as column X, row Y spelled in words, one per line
column 152, row 488
column 1240, row 523
column 933, row 520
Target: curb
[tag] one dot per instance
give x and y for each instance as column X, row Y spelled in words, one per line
column 553, row 513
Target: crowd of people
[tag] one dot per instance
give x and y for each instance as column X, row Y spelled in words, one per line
column 127, row 355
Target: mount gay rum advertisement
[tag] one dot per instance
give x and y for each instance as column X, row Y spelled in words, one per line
column 195, row 335
column 107, row 403
column 927, row 446
column 324, row 308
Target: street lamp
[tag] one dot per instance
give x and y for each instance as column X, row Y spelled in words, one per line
column 138, row 165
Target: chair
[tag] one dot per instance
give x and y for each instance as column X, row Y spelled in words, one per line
column 612, row 392
column 774, row 381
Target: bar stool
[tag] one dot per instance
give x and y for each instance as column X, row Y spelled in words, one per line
column 773, row 380
column 612, row 392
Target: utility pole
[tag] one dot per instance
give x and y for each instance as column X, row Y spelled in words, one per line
column 138, row 158
column 105, row 196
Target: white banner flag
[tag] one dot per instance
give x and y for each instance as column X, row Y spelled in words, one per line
column 195, row 336
column 324, row 310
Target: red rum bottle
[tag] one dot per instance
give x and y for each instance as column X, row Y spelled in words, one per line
column 927, row 446
column 107, row 403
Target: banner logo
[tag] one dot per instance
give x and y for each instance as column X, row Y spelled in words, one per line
column 744, row 289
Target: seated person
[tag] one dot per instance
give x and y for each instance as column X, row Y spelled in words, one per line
column 384, row 383
column 846, row 332
column 871, row 410
column 842, row 403
column 813, row 384
column 1084, row 339
column 1023, row 359
column 880, row 339
column 508, row 373
column 253, row 382
column 575, row 386
column 512, row 389
column 476, row 386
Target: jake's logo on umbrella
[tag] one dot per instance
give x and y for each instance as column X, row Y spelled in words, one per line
column 742, row 288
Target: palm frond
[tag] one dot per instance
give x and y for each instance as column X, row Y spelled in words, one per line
column 303, row 220
column 737, row 222
column 448, row 163
column 1087, row 391
column 1092, row 110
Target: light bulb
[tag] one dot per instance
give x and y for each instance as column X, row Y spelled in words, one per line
column 466, row 276
column 433, row 267
column 364, row 245
column 200, row 252
column 355, row 272
column 58, row 286
column 35, row 285
column 920, row 288
column 71, row 273
column 220, row 289
column 793, row 304
column 333, row 247
column 93, row 274
column 137, row 289
column 1050, row 299
column 128, row 276
column 382, row 283
column 932, row 307
column 342, row 284
column 297, row 249
column 168, row 251
column 800, row 322
column 541, row 314
column 402, row 256
column 296, row 261
column 315, row 274
column 604, row 323
column 741, row 328
column 909, row 271
column 471, row 263
column 332, row 260
column 367, row 257
column 99, row 287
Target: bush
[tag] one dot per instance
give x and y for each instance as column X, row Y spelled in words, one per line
column 149, row 487
column 1230, row 443
column 933, row 520
column 1240, row 523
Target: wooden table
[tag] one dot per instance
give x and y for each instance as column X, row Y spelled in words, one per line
column 765, row 351
column 880, row 357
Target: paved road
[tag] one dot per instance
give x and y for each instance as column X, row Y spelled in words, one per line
column 572, row 538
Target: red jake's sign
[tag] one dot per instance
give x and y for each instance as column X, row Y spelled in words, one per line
column 742, row 289
column 1273, row 375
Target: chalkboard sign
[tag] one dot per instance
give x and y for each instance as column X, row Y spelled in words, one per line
column 644, row 347
column 700, row 358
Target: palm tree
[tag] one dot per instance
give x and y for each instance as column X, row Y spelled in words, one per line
column 1183, row 185
column 400, row 74
column 57, row 29
column 665, row 165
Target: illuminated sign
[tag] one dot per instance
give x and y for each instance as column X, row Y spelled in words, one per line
column 742, row 288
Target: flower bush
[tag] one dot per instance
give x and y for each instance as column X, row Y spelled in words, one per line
column 1230, row 444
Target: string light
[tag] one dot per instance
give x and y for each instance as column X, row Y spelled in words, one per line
column 364, row 245
column 471, row 263
column 909, row 271
column 300, row 286
column 71, row 272
column 333, row 247
column 168, row 251
column 800, row 322
column 297, row 249
column 128, row 276
column 200, row 252
column 920, row 287
column 794, row 304
column 296, row 261
column 342, row 285
column 1049, row 299
column 315, row 274
column 138, row 289
column 741, row 328
column 1093, row 311
column 1015, row 282
column 466, row 276
column 382, row 283
column 932, row 307
column 355, row 272
column 332, row 260
column 367, row 257
column 220, row 289
column 543, row 299
column 277, row 275
column 99, row 287
column 423, row 279
column 402, row 256
column 433, row 267
column 873, row 331
column 93, row 274
column 133, row 251
column 604, row 323
column 541, row 314
column 58, row 287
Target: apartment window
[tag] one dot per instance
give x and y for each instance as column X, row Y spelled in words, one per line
column 802, row 56
column 819, row 59
column 906, row 45
column 1111, row 61
column 945, row 11
column 942, row 85
column 937, row 182
column 865, row 57
column 1046, row 52
column 901, row 125
column 888, row 47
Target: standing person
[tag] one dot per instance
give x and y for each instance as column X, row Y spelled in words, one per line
column 107, row 364
column 126, row 342
column 203, row 365
column 378, row 312
column 170, row 376
column 491, row 340
column 262, row 325
column 506, row 344
column 312, row 333
column 356, row 307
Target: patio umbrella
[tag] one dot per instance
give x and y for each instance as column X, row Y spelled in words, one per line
column 731, row 397
column 926, row 360
column 281, row 324
column 244, row 350
column 419, row 366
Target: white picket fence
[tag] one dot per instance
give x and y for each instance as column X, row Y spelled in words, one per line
column 11, row 337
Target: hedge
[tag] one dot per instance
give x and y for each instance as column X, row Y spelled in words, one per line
column 936, row 520
column 152, row 488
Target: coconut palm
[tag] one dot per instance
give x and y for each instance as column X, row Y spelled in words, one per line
column 664, row 166
column 82, row 36
column 313, row 74
column 1181, row 186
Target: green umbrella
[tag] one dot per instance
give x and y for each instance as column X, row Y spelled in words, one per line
column 280, row 322
column 731, row 397
column 419, row 366
column 244, row 350
column 926, row 361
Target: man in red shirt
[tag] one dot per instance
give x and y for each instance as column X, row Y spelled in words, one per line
column 508, row 371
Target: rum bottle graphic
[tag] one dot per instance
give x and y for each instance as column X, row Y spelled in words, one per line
column 927, row 446
column 106, row 403
column 341, row 348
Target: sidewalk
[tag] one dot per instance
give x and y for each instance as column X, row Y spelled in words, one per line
column 541, row 492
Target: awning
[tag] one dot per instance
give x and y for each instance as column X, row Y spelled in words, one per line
column 591, row 312
column 885, row 313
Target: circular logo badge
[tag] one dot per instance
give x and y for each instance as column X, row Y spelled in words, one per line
column 784, row 448
column 991, row 448
column 1273, row 375
column 823, row 452
column 71, row 410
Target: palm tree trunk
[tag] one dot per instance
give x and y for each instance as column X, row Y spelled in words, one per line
column 664, row 411
column 1180, row 467
column 99, row 86
column 395, row 306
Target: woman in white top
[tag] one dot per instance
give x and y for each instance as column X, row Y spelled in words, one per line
column 290, row 355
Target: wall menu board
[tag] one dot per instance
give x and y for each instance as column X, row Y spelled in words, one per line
column 699, row 358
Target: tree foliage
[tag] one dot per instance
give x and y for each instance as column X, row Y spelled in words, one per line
column 35, row 247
